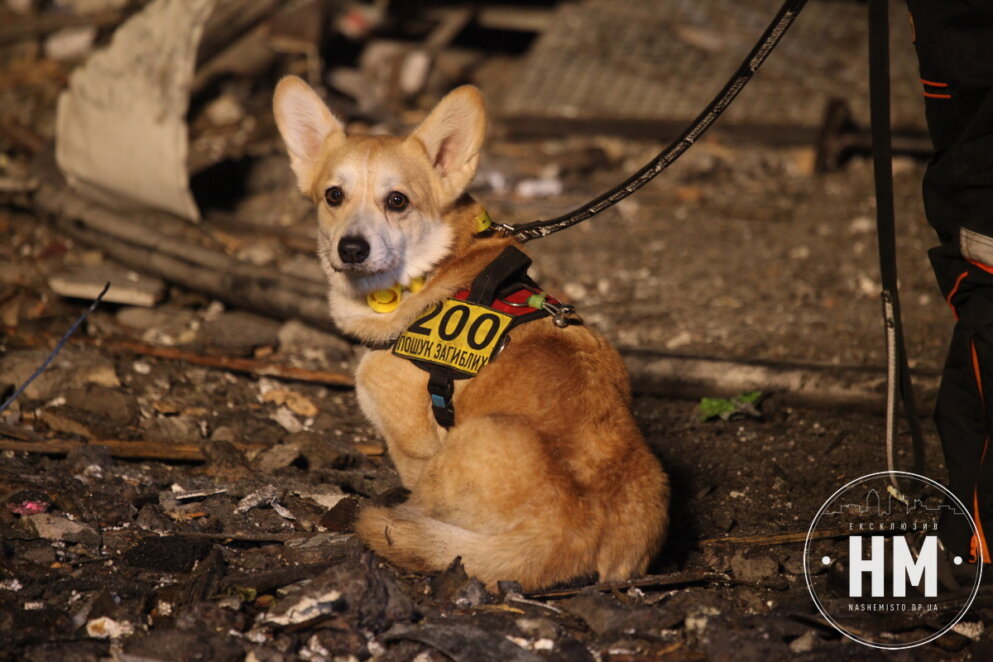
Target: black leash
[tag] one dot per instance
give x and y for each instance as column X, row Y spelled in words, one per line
column 773, row 33
column 898, row 378
column 898, row 381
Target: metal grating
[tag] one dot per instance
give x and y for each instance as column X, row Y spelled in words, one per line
column 663, row 60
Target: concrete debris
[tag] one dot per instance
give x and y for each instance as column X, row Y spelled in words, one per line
column 305, row 607
column 108, row 628
column 56, row 528
column 142, row 143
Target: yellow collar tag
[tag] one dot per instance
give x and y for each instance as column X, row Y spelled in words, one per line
column 388, row 299
column 483, row 222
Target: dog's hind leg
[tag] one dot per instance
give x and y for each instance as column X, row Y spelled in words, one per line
column 496, row 496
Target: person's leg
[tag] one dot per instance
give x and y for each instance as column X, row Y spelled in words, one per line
column 954, row 42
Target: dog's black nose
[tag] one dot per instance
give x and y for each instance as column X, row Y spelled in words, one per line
column 353, row 250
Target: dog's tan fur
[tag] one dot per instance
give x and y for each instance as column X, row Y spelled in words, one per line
column 544, row 477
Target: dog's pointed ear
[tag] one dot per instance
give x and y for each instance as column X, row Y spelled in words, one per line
column 452, row 135
column 305, row 123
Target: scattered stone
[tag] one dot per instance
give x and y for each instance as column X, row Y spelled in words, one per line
column 226, row 461
column 971, row 629
column 282, row 511
column 276, row 457
column 224, row 433
column 537, row 627
column 755, row 567
column 225, row 109
column 341, row 518
column 320, row 548
column 164, row 325
column 43, row 556
column 715, row 559
column 53, row 527
column 367, row 598
column 288, row 420
column 57, row 420
column 793, row 564
column 306, row 605
column 295, row 336
column 322, row 452
column 239, row 333
column 108, row 628
column 74, row 367
column 116, row 408
column 151, row 518
column 89, row 460
column 170, row 429
column 296, row 402
column 473, row 594
column 604, row 615
column 325, row 496
column 70, row 43
column 506, row 588
column 805, row 643
column 261, row 497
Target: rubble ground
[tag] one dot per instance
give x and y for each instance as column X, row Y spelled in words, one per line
column 241, row 546
column 181, row 483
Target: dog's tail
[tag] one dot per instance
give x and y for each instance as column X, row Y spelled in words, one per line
column 411, row 539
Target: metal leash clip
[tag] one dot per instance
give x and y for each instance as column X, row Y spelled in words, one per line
column 562, row 314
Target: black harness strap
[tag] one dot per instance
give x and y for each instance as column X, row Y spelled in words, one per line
column 508, row 272
column 511, row 263
column 882, row 158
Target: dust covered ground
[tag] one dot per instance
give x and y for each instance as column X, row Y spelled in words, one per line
column 245, row 552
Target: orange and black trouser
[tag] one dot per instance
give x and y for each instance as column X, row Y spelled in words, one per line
column 954, row 43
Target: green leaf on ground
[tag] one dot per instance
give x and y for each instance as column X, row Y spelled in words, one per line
column 741, row 406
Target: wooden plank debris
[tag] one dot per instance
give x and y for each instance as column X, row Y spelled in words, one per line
column 141, row 450
column 159, row 244
column 128, row 287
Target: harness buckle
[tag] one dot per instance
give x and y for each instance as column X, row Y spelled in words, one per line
column 441, row 388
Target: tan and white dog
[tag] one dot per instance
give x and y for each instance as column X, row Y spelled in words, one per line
column 544, row 477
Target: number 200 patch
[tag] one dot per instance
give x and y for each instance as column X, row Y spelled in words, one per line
column 457, row 334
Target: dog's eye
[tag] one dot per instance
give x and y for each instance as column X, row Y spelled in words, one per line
column 334, row 195
column 397, row 201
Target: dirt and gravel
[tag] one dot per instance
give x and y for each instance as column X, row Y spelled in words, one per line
column 738, row 253
column 165, row 497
